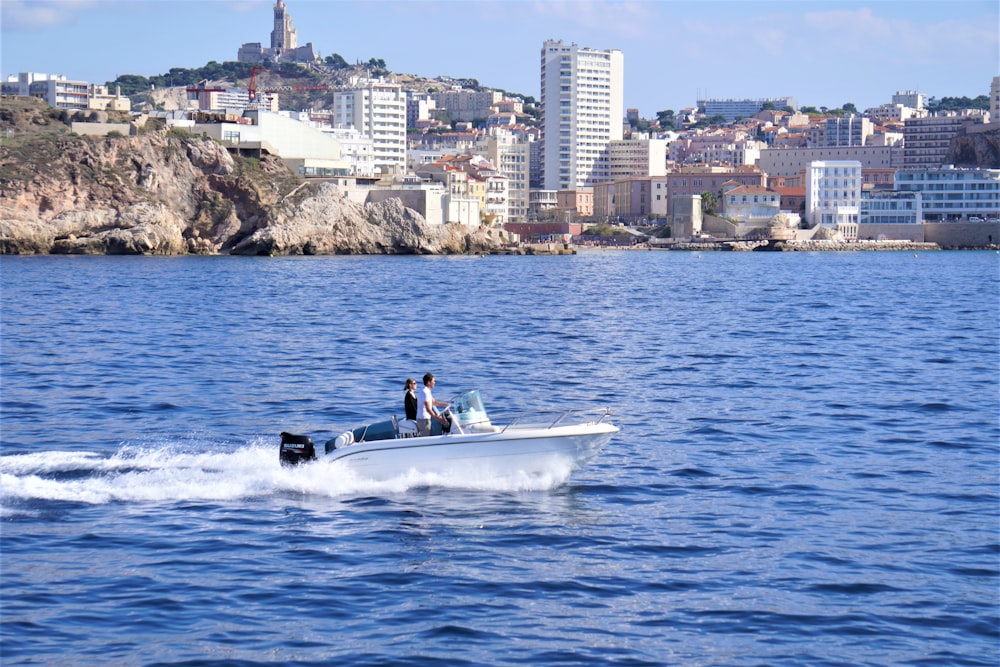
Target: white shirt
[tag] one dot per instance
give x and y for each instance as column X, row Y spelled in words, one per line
column 424, row 397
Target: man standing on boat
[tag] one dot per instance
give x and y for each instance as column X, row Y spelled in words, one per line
column 425, row 408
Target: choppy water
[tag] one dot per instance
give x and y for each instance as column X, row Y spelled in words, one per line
column 807, row 471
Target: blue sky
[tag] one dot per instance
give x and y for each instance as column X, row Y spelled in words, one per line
column 676, row 51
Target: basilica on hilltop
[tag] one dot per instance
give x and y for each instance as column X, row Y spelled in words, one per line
column 284, row 43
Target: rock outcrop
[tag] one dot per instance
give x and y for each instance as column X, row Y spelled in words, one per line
column 169, row 192
column 976, row 149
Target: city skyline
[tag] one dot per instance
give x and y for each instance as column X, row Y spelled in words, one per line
column 675, row 51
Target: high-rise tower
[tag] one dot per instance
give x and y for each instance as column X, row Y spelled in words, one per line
column 583, row 110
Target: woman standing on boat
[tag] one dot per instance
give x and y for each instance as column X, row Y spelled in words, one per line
column 410, row 398
column 425, row 408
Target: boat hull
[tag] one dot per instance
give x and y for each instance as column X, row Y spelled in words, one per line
column 513, row 451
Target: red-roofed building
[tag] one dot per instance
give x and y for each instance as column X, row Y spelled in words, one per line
column 793, row 199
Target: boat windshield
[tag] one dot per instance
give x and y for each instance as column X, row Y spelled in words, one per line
column 468, row 409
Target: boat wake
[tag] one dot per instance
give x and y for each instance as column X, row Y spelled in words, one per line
column 183, row 472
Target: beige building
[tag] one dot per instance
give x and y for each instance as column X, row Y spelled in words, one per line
column 578, row 202
column 637, row 157
column 511, row 154
column 698, row 180
column 467, row 104
column 628, row 200
column 789, row 162
column 471, row 177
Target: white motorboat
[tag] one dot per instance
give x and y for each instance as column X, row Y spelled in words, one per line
column 530, row 444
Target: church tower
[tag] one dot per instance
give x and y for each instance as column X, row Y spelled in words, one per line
column 283, row 37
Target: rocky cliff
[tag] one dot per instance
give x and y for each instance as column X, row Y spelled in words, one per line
column 168, row 193
column 978, row 149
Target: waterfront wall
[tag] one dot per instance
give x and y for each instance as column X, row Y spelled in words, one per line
column 962, row 234
column 899, row 232
column 102, row 129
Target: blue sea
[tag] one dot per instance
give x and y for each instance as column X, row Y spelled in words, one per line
column 808, row 471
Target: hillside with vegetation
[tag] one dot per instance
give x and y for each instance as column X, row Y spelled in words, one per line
column 302, row 87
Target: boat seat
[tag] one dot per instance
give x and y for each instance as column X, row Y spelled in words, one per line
column 406, row 428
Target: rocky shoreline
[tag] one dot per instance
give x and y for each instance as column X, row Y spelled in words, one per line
column 169, row 192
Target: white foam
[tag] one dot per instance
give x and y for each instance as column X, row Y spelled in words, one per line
column 188, row 472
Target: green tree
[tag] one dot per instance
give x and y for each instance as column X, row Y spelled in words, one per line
column 337, row 61
column 131, row 84
column 958, row 103
column 849, row 107
column 709, row 203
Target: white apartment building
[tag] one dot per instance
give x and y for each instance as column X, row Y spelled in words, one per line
column 909, row 98
column 58, row 91
column 303, row 148
column 378, row 111
column 751, row 205
column 357, row 151
column 583, row 109
column 833, row 195
column 850, row 130
column 891, row 208
column 951, row 194
column 893, row 113
column 734, row 109
column 637, row 157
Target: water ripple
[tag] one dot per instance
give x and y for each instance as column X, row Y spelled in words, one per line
column 807, row 472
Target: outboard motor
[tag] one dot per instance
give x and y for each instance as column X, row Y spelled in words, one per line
column 296, row 449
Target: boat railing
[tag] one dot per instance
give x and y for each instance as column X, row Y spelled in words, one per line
column 548, row 419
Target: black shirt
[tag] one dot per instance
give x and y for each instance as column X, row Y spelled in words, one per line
column 410, row 403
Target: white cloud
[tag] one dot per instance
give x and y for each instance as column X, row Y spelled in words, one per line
column 626, row 19
column 901, row 40
column 27, row 15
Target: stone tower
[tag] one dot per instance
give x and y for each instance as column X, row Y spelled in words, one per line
column 283, row 37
